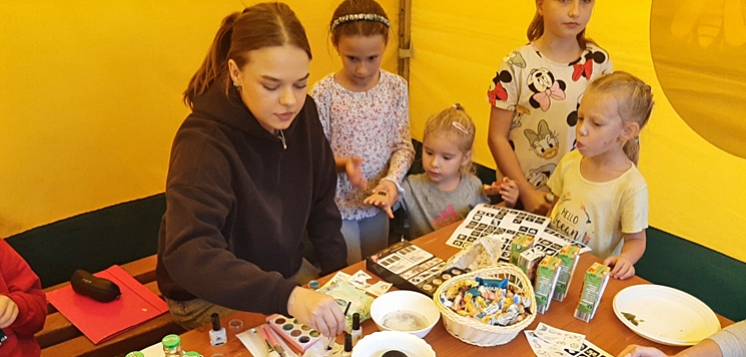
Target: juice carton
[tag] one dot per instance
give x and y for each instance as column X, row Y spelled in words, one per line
column 569, row 255
column 546, row 280
column 596, row 279
column 520, row 244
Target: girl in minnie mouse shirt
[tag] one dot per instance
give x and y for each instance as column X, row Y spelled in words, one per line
column 535, row 95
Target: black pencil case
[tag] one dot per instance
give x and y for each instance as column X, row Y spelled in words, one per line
column 99, row 289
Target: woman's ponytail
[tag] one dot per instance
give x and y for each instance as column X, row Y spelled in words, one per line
column 213, row 68
column 258, row 26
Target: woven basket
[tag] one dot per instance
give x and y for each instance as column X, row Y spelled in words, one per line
column 474, row 331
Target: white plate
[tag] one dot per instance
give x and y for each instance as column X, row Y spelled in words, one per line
column 665, row 315
column 377, row 343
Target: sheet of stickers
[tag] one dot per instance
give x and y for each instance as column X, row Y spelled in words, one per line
column 489, row 220
column 547, row 341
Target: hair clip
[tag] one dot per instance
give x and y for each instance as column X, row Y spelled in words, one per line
column 460, row 127
column 360, row 17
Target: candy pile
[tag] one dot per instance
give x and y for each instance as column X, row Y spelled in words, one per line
column 493, row 301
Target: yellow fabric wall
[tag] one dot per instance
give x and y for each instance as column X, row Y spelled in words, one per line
column 697, row 191
column 91, row 99
column 91, row 96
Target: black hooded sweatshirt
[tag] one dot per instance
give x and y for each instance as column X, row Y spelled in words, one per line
column 238, row 202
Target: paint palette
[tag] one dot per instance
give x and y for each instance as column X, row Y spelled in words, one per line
column 295, row 333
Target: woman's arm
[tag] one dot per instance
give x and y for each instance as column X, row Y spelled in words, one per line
column 706, row 348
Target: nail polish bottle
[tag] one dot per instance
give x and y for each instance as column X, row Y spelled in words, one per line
column 217, row 334
column 357, row 331
column 348, row 345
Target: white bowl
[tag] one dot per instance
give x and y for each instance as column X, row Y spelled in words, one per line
column 405, row 301
column 378, row 343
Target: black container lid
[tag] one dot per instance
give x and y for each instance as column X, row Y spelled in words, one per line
column 348, row 342
column 215, row 321
column 355, row 321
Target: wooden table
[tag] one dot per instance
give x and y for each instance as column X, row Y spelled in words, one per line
column 605, row 330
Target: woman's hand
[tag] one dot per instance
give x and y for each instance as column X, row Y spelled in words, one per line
column 317, row 310
column 384, row 197
column 640, row 351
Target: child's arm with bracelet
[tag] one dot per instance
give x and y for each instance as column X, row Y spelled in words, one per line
column 622, row 265
column 500, row 120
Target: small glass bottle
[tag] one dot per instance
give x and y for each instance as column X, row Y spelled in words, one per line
column 172, row 346
column 217, row 334
column 357, row 331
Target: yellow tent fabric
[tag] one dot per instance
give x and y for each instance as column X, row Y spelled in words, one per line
column 697, row 190
column 91, row 96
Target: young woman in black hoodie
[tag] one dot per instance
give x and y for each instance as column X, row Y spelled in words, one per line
column 250, row 173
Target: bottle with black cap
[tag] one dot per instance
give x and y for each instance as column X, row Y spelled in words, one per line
column 217, row 334
column 357, row 331
column 348, row 345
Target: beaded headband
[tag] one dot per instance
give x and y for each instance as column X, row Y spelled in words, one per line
column 360, row 17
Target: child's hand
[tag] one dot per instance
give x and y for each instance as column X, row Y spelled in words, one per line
column 509, row 192
column 384, row 196
column 535, row 201
column 8, row 311
column 506, row 188
column 354, row 171
column 621, row 267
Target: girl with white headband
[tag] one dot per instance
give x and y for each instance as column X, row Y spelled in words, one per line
column 364, row 111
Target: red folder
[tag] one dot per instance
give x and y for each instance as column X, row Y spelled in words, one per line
column 100, row 321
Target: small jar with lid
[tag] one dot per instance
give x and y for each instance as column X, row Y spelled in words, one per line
column 172, row 346
column 135, row 354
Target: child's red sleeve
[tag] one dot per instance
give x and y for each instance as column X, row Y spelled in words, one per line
column 24, row 288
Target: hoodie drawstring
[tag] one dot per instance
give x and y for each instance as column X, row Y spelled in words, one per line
column 282, row 137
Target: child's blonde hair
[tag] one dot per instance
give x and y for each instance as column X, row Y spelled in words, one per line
column 634, row 102
column 458, row 126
